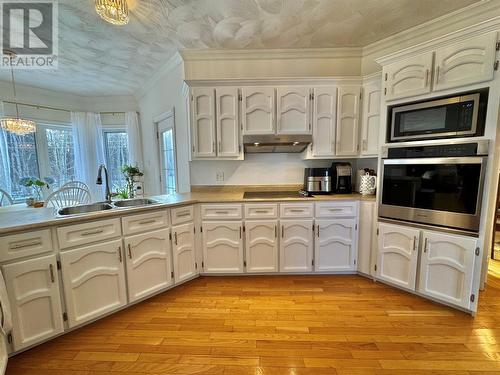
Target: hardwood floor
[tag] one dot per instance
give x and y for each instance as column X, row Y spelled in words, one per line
column 295, row 325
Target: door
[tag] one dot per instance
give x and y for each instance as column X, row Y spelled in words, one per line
column 94, row 281
column 324, row 117
column 261, row 238
column 223, row 247
column 347, row 121
column 366, row 221
column 397, row 255
column 408, row 77
column 33, row 289
column 168, row 160
column 148, row 263
column 228, row 135
column 447, row 267
column 184, row 252
column 257, row 110
column 203, row 123
column 296, row 246
column 294, row 110
column 335, row 245
column 371, row 119
column 470, row 61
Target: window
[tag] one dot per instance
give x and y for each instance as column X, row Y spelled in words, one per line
column 116, row 153
column 166, row 139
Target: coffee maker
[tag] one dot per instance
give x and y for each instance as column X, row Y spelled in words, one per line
column 342, row 178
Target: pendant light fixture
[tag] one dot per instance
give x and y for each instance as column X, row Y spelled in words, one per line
column 113, row 11
column 16, row 125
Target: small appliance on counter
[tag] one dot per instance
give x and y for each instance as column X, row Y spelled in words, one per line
column 318, row 180
column 361, row 175
column 342, row 178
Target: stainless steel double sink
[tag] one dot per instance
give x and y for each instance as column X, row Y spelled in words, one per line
column 103, row 206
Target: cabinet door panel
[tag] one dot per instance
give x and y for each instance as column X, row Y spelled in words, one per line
column 371, row 119
column 203, row 122
column 470, row 61
column 408, row 77
column 223, row 247
column 261, row 246
column 228, row 143
column 258, row 110
column 347, row 121
column 94, row 281
column 148, row 263
column 293, row 108
column 336, row 245
column 447, row 267
column 33, row 289
column 184, row 252
column 296, row 246
column 324, row 119
column 398, row 255
column 366, row 243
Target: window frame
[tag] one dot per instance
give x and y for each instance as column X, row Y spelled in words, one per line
column 159, row 129
column 112, row 129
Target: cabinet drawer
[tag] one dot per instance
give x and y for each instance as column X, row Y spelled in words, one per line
column 144, row 222
column 25, row 244
column 182, row 215
column 337, row 209
column 296, row 210
column 261, row 211
column 221, row 211
column 81, row 234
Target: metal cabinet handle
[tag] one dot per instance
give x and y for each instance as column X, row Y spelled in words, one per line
column 221, row 212
column 426, row 77
column 318, row 230
column 3, row 315
column 282, row 231
column 414, row 243
column 92, row 232
column 151, row 221
column 365, row 144
column 129, row 252
column 182, row 214
column 437, row 75
column 25, row 244
column 425, row 245
column 120, row 253
column 240, row 232
column 261, row 211
column 175, row 238
column 52, row 276
column 275, row 231
column 296, row 210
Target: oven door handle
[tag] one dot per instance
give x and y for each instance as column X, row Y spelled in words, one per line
column 449, row 160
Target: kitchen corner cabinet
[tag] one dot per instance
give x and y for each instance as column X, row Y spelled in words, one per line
column 148, row 263
column 94, row 281
column 203, row 123
column 447, row 266
column 223, row 247
column 184, row 252
column 397, row 255
column 293, row 110
column 347, row 121
column 324, row 119
column 296, row 245
column 261, row 251
column 257, row 110
column 336, row 245
column 371, row 119
column 227, row 122
column 33, row 289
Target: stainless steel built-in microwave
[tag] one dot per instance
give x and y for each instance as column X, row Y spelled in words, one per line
column 458, row 116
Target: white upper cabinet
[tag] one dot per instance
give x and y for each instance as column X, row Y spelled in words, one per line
column 347, row 120
column 184, row 252
column 223, row 247
column 397, row 255
column 464, row 63
column 294, row 110
column 447, row 267
column 408, row 77
column 257, row 110
column 203, row 122
column 371, row 118
column 324, row 117
column 336, row 245
column 261, row 246
column 296, row 246
column 228, row 137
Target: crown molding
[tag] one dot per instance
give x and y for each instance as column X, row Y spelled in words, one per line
column 317, row 81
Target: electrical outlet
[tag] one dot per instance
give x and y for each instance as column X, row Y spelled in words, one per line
column 219, row 176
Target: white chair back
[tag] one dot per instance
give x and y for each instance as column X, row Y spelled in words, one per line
column 68, row 196
column 5, row 198
column 78, row 184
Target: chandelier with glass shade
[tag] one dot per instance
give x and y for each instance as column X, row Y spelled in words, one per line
column 113, row 11
column 16, row 125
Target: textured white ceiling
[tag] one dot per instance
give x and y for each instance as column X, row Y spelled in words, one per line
column 97, row 58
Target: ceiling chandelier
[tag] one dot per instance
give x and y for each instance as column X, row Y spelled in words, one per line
column 113, row 11
column 16, row 125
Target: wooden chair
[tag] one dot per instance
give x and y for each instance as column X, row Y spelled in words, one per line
column 5, row 198
column 68, row 196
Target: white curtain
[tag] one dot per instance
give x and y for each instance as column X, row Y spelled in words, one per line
column 5, row 182
column 134, row 139
column 89, row 149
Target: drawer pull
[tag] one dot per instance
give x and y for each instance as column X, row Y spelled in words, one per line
column 261, row 211
column 150, row 221
column 297, row 210
column 182, row 214
column 129, row 252
column 282, row 231
column 335, row 209
column 275, row 231
column 222, row 212
column 92, row 232
column 120, row 253
column 25, row 244
column 52, row 276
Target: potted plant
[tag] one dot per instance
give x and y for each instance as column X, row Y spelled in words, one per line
column 37, row 186
column 131, row 174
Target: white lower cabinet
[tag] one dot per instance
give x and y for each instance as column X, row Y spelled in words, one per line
column 148, row 263
column 365, row 236
column 94, row 281
column 397, row 255
column 261, row 250
column 184, row 252
column 296, row 245
column 33, row 289
column 223, row 247
column 336, row 245
column 447, row 267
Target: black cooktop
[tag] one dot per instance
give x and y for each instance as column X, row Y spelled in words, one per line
column 273, row 194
